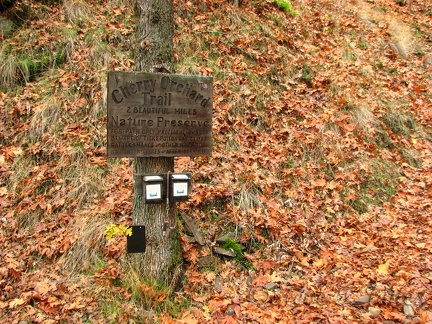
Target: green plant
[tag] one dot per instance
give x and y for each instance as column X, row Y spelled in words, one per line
column 379, row 65
column 147, row 295
column 277, row 20
column 29, row 68
column 111, row 308
column 392, row 70
column 417, row 29
column 19, row 67
column 400, row 123
column 362, row 45
column 419, row 52
column 230, row 244
column 265, row 232
column 285, row 5
column 409, row 157
column 6, row 27
column 307, row 74
column 114, row 230
column 349, row 56
column 378, row 186
column 380, row 9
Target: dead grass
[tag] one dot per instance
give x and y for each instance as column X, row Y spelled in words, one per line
column 83, row 181
column 6, row 27
column 100, row 55
column 121, row 3
column 70, row 36
column 363, row 117
column 248, row 198
column 9, row 71
column 98, row 108
column 76, row 11
column 45, row 119
column 85, row 254
column 401, row 123
column 330, row 149
column 372, row 129
column 378, row 185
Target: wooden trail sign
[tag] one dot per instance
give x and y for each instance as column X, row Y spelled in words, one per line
column 155, row 115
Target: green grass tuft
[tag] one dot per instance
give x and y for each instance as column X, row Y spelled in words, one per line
column 236, row 247
column 400, row 123
column 285, row 5
column 378, row 187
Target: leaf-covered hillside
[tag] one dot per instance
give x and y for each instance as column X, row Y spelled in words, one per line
column 315, row 206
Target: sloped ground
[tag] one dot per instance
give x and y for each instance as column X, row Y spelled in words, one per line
column 321, row 166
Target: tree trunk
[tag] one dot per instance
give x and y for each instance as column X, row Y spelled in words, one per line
column 154, row 37
column 162, row 261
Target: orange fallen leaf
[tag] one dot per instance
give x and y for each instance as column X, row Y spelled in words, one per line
column 261, row 296
column 99, row 160
column 188, row 318
column 216, row 303
column 319, row 183
column 16, row 302
column 383, row 269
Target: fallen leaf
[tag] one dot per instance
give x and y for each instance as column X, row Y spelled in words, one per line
column 16, row 302
column 383, row 269
column 261, row 296
column 99, row 160
column 319, row 183
column 188, row 318
column 408, row 308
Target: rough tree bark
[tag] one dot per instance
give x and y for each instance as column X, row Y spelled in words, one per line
column 162, row 261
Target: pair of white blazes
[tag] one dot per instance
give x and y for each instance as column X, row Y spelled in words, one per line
column 177, row 189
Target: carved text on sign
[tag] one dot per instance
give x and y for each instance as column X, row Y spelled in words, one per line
column 159, row 114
